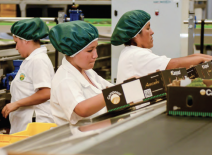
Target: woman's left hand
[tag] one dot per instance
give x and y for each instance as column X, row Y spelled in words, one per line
column 9, row 108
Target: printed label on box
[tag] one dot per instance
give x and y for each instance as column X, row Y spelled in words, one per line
column 133, row 96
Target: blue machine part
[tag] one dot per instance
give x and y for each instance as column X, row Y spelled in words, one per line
column 76, row 15
column 10, row 76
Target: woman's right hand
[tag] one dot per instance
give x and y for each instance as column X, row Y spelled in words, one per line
column 9, row 108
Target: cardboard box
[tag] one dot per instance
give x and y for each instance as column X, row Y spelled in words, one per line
column 200, row 71
column 134, row 91
column 146, row 88
column 173, row 74
column 8, row 10
column 190, row 101
column 7, row 7
column 8, row 14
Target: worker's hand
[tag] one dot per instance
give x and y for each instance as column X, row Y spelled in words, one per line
column 132, row 77
column 201, row 55
column 9, row 108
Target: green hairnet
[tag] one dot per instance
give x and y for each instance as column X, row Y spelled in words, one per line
column 30, row 29
column 71, row 37
column 128, row 26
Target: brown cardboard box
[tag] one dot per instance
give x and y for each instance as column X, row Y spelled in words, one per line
column 8, row 10
column 190, row 101
column 8, row 14
column 8, row 7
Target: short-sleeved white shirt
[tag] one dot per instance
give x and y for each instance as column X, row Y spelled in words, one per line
column 136, row 61
column 37, row 72
column 69, row 87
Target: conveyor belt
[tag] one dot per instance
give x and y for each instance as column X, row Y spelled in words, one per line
column 67, row 138
column 162, row 135
column 148, row 132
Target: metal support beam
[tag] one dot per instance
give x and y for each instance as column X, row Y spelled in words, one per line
column 14, row 19
column 191, row 27
column 191, row 34
column 23, row 9
column 209, row 10
column 202, row 36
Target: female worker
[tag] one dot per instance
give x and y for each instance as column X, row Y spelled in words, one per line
column 136, row 59
column 76, row 89
column 30, row 89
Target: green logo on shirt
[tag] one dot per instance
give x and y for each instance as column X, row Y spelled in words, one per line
column 22, row 76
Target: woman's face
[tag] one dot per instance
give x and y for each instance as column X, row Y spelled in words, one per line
column 87, row 57
column 145, row 39
column 20, row 46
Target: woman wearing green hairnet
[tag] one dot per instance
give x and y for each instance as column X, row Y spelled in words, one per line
column 76, row 89
column 136, row 59
column 30, row 89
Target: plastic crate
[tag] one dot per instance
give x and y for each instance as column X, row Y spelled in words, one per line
column 35, row 128
column 9, row 139
column 32, row 129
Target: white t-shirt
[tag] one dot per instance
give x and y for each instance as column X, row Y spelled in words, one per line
column 136, row 61
column 69, row 87
column 35, row 72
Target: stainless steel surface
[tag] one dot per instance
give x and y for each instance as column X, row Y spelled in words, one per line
column 21, row 18
column 65, row 139
column 61, row 15
column 162, row 135
column 207, row 21
column 118, row 129
column 209, row 10
column 191, row 6
column 191, row 34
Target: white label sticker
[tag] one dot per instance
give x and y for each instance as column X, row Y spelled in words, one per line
column 133, row 91
column 185, row 82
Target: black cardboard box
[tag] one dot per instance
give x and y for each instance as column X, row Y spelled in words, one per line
column 190, row 101
column 173, row 74
column 200, row 71
column 146, row 88
column 133, row 91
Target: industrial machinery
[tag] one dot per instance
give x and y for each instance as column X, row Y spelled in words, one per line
column 6, row 81
column 76, row 15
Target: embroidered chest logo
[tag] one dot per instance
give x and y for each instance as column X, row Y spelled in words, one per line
column 22, row 76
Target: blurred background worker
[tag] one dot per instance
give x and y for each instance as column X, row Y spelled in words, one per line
column 30, row 90
column 136, row 59
column 76, row 88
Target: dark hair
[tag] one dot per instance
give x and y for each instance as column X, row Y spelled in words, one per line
column 37, row 41
column 128, row 43
column 131, row 42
